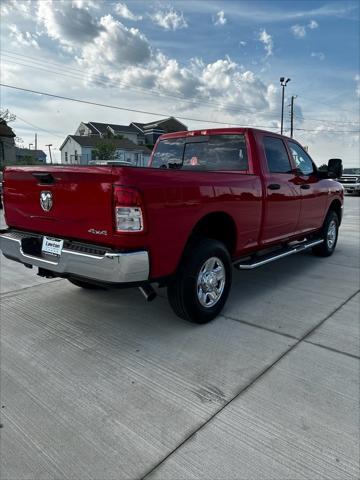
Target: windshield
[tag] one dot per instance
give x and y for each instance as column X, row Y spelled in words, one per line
column 351, row 171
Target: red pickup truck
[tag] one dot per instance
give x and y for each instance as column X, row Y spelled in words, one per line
column 208, row 200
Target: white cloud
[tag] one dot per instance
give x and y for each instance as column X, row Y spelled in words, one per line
column 299, row 31
column 114, row 47
column 313, row 24
column 123, row 11
column 170, row 19
column 267, row 40
column 357, row 90
column 220, row 18
column 26, row 39
column 242, row 43
column 318, row 55
column 20, row 7
column 67, row 22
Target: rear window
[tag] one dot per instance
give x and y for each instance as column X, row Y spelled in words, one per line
column 215, row 152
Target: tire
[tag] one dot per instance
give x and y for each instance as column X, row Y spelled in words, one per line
column 86, row 285
column 200, row 289
column 329, row 233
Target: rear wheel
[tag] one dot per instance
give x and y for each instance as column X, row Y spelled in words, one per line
column 329, row 233
column 86, row 285
column 201, row 287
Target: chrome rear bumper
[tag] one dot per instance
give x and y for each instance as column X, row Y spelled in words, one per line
column 109, row 266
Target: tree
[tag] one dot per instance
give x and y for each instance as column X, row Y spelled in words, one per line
column 6, row 115
column 323, row 167
column 104, row 150
column 19, row 142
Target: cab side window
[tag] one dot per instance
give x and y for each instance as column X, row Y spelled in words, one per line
column 276, row 155
column 302, row 160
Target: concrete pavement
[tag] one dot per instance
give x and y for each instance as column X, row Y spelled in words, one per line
column 101, row 385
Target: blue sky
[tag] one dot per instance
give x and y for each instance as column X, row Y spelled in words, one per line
column 210, row 60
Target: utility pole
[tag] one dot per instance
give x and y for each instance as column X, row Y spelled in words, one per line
column 292, row 115
column 35, row 141
column 49, row 145
column 30, row 145
column 283, row 82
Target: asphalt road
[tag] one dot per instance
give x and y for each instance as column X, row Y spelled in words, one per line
column 101, row 385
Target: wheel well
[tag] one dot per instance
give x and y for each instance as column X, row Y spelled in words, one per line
column 336, row 207
column 219, row 226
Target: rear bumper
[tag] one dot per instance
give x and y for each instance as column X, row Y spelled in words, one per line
column 109, row 266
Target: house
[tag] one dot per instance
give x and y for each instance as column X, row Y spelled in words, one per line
column 7, row 144
column 130, row 140
column 26, row 154
column 105, row 130
column 82, row 150
column 153, row 130
column 139, row 133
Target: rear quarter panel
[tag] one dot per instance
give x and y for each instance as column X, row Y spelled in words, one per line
column 175, row 201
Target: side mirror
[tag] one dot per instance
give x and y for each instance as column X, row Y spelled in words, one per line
column 335, row 168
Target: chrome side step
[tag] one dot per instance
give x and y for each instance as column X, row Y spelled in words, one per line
column 255, row 262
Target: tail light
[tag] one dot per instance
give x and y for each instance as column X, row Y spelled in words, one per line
column 128, row 210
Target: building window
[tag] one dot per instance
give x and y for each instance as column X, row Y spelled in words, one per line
column 66, row 157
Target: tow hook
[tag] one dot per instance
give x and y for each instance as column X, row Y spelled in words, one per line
column 148, row 292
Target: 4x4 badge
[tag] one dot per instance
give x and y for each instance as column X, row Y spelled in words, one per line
column 46, row 201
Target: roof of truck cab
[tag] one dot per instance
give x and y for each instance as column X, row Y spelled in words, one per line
column 218, row 131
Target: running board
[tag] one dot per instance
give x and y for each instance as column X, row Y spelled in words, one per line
column 256, row 262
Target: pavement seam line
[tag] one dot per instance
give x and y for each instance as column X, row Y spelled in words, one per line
column 261, row 327
column 14, row 293
column 250, row 384
column 335, row 350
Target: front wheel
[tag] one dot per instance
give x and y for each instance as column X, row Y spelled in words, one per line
column 329, row 233
column 201, row 287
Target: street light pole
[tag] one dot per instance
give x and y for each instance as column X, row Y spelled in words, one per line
column 283, row 83
column 49, row 145
column 292, row 115
column 30, row 145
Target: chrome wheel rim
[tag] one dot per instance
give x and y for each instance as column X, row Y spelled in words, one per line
column 331, row 234
column 211, row 282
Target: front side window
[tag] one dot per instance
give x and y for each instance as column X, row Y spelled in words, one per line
column 276, row 155
column 207, row 153
column 301, row 158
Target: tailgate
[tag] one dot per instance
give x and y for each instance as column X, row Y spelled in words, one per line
column 81, row 199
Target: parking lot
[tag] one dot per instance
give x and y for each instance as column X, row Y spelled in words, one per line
column 102, row 385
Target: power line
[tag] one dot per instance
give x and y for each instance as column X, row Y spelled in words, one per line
column 99, row 79
column 38, row 128
column 88, row 102
column 323, row 120
column 116, row 84
column 327, row 131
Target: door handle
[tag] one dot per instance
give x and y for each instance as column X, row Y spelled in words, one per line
column 274, row 186
column 305, row 186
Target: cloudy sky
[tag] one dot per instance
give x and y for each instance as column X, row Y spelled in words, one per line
column 211, row 60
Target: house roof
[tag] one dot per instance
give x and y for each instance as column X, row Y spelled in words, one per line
column 169, row 124
column 27, row 151
column 122, row 143
column 5, row 130
column 97, row 127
